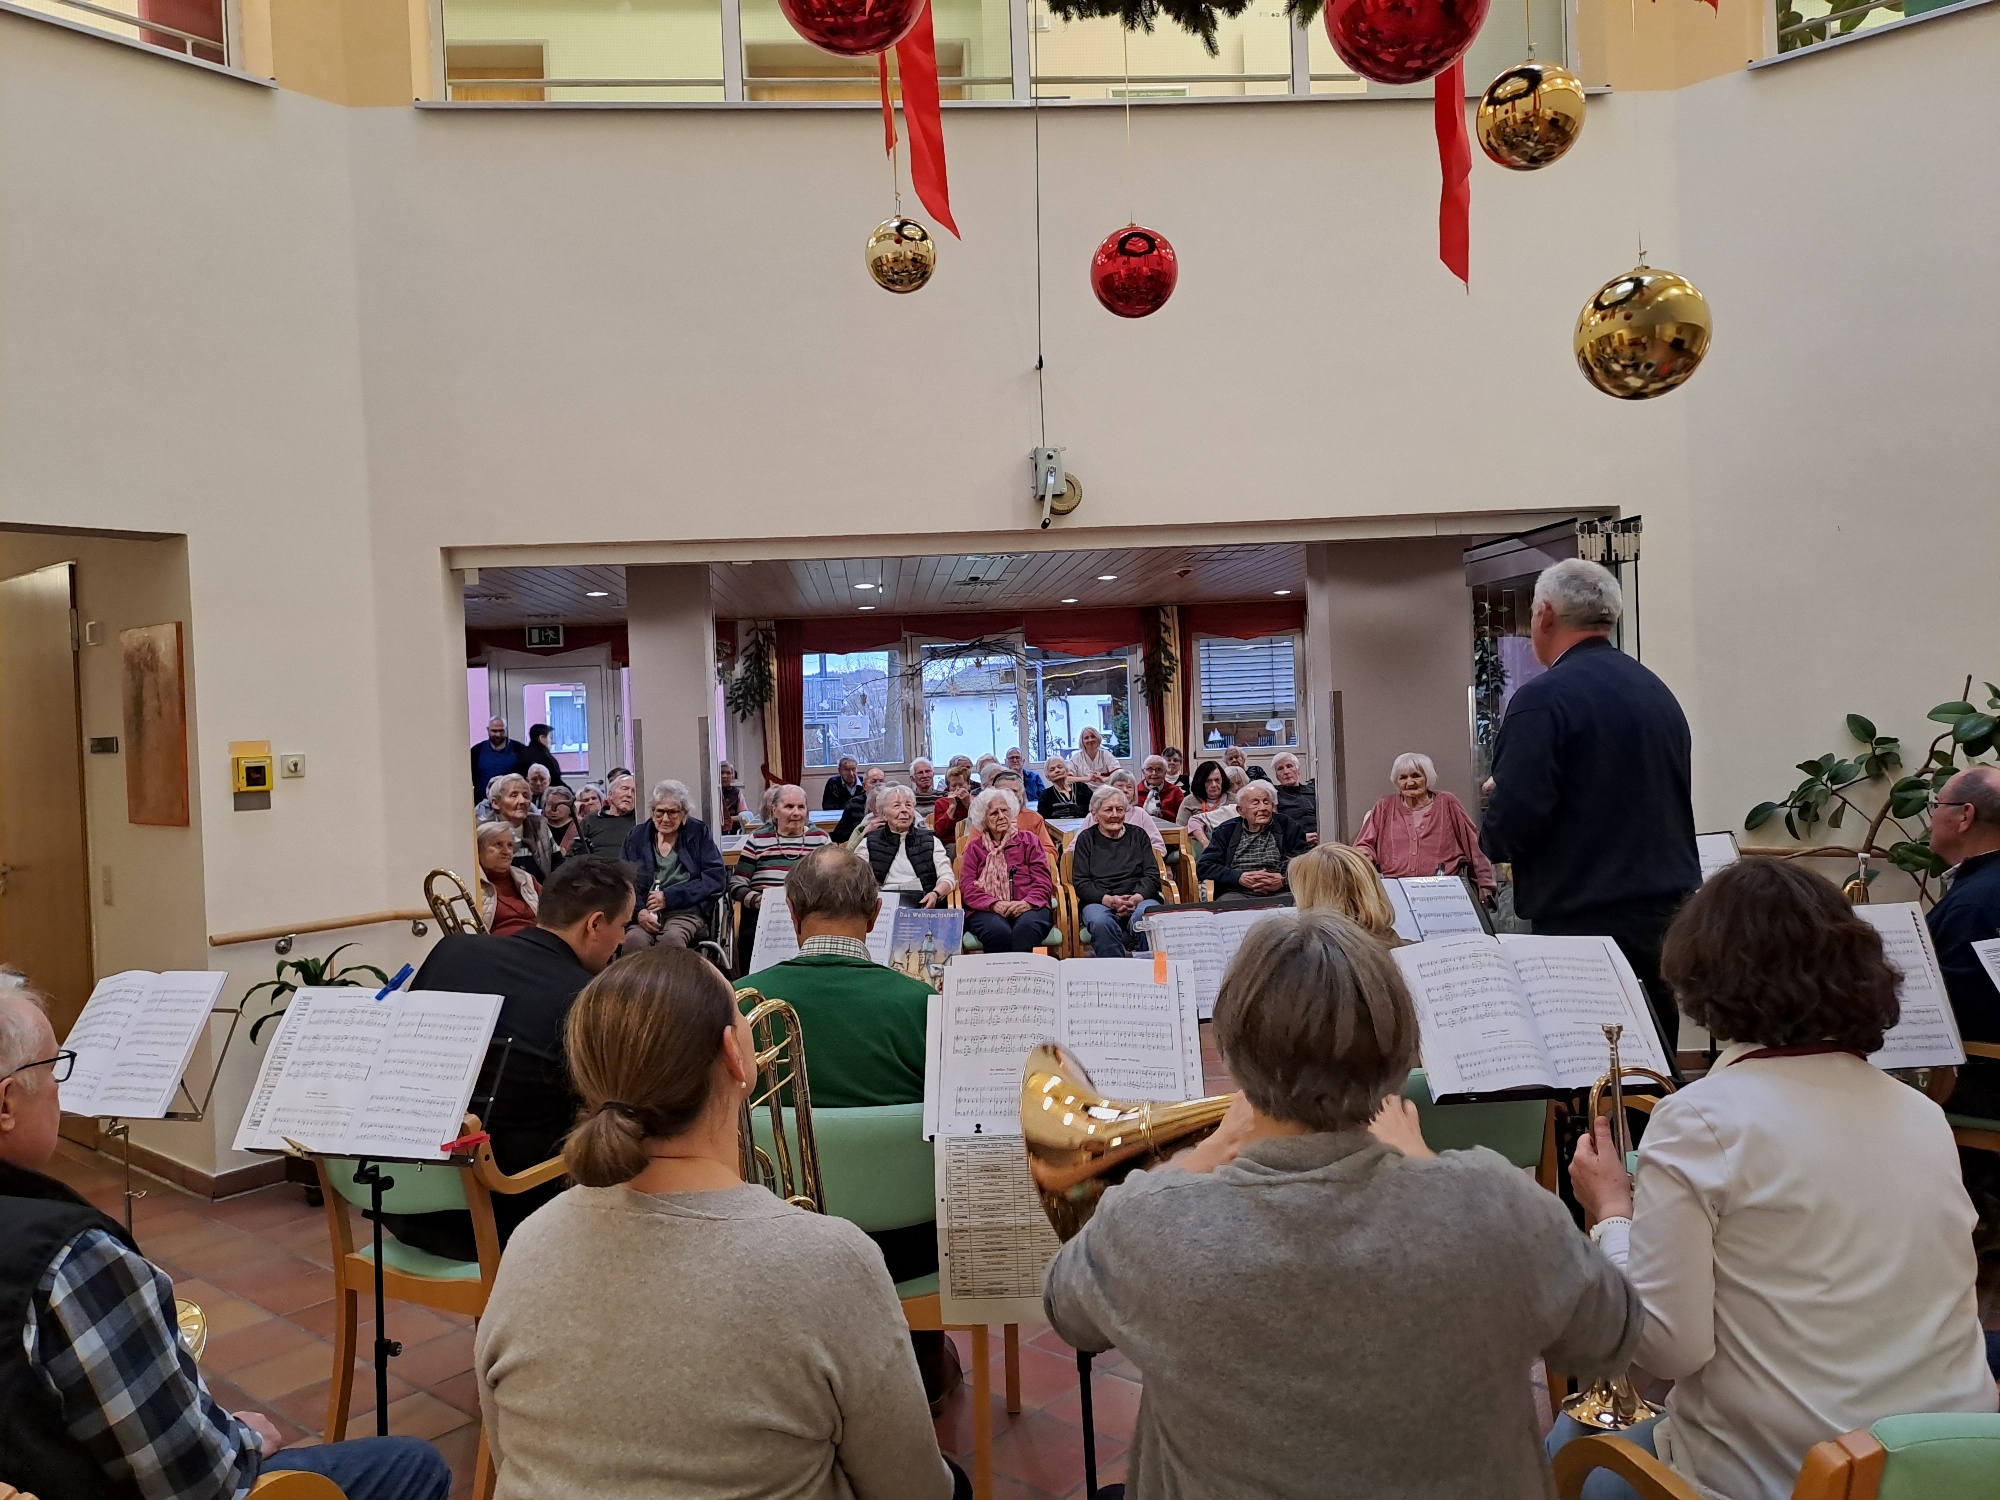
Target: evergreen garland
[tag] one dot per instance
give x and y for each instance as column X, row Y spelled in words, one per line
column 1198, row 18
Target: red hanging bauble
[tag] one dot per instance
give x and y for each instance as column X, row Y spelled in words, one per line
column 1134, row 271
column 1402, row 41
column 853, row 28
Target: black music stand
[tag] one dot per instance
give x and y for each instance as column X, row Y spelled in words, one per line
column 1083, row 1362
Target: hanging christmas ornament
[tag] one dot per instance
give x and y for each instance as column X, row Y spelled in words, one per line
column 853, row 28
column 1530, row 115
column 1134, row 271
column 1642, row 334
column 901, row 255
column 1402, row 41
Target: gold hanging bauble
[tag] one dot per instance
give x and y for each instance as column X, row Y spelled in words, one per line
column 901, row 255
column 1530, row 115
column 1642, row 334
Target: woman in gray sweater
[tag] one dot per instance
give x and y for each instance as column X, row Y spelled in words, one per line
column 1321, row 1308
column 664, row 1329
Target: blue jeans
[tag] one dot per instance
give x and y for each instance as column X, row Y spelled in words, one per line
column 1109, row 931
column 376, row 1468
column 1022, row 934
column 1602, row 1483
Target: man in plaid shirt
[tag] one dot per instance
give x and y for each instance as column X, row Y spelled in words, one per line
column 97, row 1396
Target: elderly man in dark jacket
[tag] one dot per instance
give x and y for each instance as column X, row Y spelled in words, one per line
column 1591, row 784
column 1248, row 855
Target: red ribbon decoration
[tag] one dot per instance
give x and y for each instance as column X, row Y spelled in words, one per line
column 1455, row 164
column 916, row 66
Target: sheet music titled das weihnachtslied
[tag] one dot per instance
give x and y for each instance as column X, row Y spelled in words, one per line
column 350, row 1075
column 1517, row 1012
column 134, row 1039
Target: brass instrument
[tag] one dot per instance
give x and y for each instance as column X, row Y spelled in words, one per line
column 1856, row 889
column 780, row 1047
column 1611, row 1404
column 192, row 1324
column 1080, row 1143
column 445, row 906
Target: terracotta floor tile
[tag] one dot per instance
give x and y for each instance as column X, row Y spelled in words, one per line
column 954, row 1428
column 412, row 1324
column 1114, row 1406
column 461, row 1391
column 250, row 1345
column 300, row 1286
column 421, row 1414
column 460, row 1448
column 318, row 1318
column 435, row 1359
column 216, row 1251
column 282, row 1374
column 267, row 1208
column 226, row 1314
column 1047, row 1454
column 1044, row 1376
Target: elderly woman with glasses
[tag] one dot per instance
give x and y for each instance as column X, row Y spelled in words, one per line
column 1008, row 884
column 511, row 803
column 905, row 855
column 1421, row 830
column 678, row 869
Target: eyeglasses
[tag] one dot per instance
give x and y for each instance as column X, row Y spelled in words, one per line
column 62, row 1063
column 1937, row 804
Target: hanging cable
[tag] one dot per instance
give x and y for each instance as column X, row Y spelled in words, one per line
column 1131, row 194
column 1035, row 109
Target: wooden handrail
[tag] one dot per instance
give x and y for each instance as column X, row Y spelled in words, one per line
column 330, row 924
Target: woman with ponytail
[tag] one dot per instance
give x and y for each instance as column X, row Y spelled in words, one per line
column 665, row 1328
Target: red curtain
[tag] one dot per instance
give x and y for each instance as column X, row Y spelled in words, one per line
column 1243, row 622
column 1085, row 632
column 856, row 633
column 791, row 704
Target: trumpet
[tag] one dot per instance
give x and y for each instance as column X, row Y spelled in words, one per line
column 445, row 905
column 1611, row 1404
column 1081, row 1143
column 192, row 1325
column 786, row 1162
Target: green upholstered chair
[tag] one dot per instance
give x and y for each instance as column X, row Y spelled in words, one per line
column 1515, row 1129
column 1065, row 913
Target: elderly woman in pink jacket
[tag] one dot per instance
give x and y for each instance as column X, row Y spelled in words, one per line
column 1423, row 831
column 1008, row 885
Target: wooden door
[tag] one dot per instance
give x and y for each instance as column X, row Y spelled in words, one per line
column 44, row 860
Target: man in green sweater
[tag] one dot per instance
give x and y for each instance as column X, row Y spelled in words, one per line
column 862, row 1024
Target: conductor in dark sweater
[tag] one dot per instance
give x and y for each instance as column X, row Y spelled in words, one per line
column 1591, row 784
column 538, row 974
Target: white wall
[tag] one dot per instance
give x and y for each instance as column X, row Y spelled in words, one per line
column 329, row 346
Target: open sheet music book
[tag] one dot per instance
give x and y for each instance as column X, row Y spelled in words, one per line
column 1517, row 1012
column 994, row 1240
column 134, row 1039
column 1434, row 906
column 1715, row 851
column 1926, row 1034
column 350, row 1075
column 777, row 939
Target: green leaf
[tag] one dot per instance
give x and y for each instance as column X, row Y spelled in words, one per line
column 1948, row 713
column 1909, row 796
column 1839, row 812
column 1992, row 696
column 1791, row 825
column 1973, row 727
column 1915, row 856
column 1758, row 816
column 1861, row 729
column 1844, row 773
column 1813, row 768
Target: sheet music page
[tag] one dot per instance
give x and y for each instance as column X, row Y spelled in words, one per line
column 1926, row 1035
column 96, row 1036
column 994, row 1240
column 1576, row 986
column 933, row 1060
column 777, row 940
column 327, row 1071
column 162, row 1036
column 1440, row 905
column 1714, row 851
column 250, row 1132
column 426, row 1075
column 997, row 1008
column 1988, row 953
column 1477, row 1032
column 1406, row 920
column 1136, row 1037
column 1192, row 940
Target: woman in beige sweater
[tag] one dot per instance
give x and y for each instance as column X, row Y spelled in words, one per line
column 664, row 1329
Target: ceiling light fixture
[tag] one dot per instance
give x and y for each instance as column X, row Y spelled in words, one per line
column 597, row 593
column 1069, row 601
column 864, row 585
column 1281, row 591
column 1107, row 577
column 867, row 606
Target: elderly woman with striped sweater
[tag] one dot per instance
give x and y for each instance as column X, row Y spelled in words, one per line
column 766, row 858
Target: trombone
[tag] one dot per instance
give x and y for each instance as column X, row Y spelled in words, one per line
column 446, row 905
column 1611, row 1404
column 786, row 1162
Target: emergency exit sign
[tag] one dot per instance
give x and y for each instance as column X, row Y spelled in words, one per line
column 545, row 635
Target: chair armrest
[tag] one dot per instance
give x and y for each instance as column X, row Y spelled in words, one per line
column 1631, row 1463
column 1982, row 1049
column 487, row 1170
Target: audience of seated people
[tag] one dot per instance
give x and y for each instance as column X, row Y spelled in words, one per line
column 523, row 1097
column 1162, row 794
column 842, row 787
column 906, row 857
column 1300, row 1290
column 1006, row 881
column 1421, row 829
column 1248, row 855
column 99, row 1399
column 541, row 753
column 924, row 782
column 496, row 755
column 1001, row 778
column 1063, row 796
column 1339, row 879
column 730, row 819
column 858, row 808
column 507, row 892
column 508, row 801
column 954, row 804
column 589, row 802
column 766, row 858
column 1208, row 802
column 863, row 1028
column 1018, row 762
column 607, row 830
column 1298, row 798
column 1116, row 876
column 1135, row 814
column 1090, row 762
column 677, row 870
column 565, row 833
column 664, row 1328
column 1176, row 767
column 1235, row 758
column 537, row 778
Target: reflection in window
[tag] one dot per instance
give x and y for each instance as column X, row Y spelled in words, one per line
column 853, row 707
column 1087, row 59
column 594, row 50
column 972, row 699
column 1249, row 691
column 1501, row 43
column 565, row 708
column 1074, row 693
column 974, row 53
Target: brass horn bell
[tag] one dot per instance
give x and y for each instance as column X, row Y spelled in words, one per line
column 1080, row 1143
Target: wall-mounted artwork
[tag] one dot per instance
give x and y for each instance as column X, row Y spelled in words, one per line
column 154, row 694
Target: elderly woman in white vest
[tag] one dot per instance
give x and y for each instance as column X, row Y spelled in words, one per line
column 904, row 854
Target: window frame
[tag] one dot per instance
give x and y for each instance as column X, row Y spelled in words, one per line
column 1198, row 749
column 894, row 653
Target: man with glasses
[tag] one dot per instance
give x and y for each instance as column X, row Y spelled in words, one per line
column 1965, row 833
column 97, row 1396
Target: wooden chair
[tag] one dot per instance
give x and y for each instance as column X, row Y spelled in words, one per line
column 1063, row 902
column 409, row 1274
column 1576, row 1460
column 1970, row 1131
column 293, row 1484
column 1079, row 942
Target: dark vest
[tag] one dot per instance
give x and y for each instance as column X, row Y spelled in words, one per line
column 37, row 1454
column 882, row 847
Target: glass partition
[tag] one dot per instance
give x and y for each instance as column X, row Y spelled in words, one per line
column 1088, row 59
column 974, row 52
column 591, row 50
column 852, row 707
column 1501, row 43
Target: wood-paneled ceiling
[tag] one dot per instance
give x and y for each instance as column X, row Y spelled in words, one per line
column 907, row 585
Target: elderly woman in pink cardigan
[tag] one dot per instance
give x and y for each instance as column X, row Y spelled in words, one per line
column 1008, row 887
column 1423, row 831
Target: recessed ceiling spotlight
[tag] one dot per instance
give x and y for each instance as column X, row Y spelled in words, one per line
column 1281, row 591
column 1069, row 601
column 867, row 606
column 597, row 593
column 864, row 585
column 1107, row 577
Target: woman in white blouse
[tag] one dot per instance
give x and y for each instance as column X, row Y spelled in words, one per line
column 1797, row 1230
column 1090, row 761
